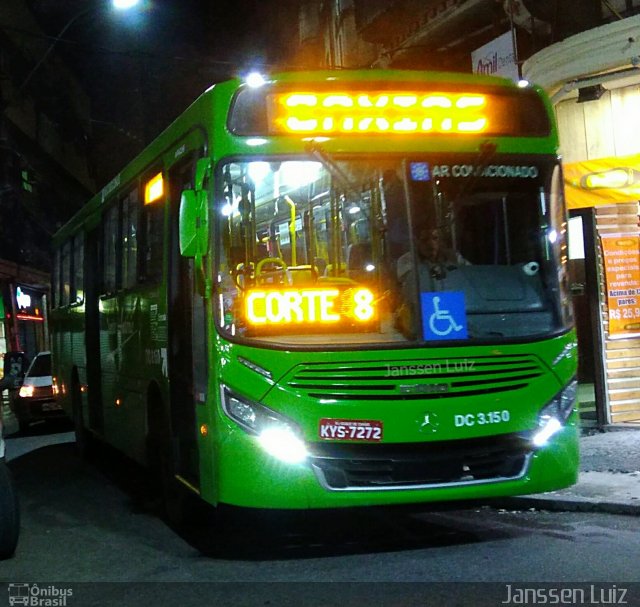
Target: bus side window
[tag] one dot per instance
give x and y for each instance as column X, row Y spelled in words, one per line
column 150, row 242
column 55, row 280
column 77, row 290
column 110, row 243
column 66, row 274
column 129, row 239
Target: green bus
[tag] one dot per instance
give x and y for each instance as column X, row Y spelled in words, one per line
column 330, row 289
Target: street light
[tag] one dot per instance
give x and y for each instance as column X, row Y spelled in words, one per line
column 116, row 4
column 124, row 4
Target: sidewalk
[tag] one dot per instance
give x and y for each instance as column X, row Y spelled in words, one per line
column 609, row 479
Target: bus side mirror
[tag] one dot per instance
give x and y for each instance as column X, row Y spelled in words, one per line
column 194, row 223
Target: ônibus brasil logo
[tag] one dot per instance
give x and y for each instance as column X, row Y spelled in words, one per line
column 35, row 595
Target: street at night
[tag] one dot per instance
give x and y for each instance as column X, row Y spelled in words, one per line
column 84, row 522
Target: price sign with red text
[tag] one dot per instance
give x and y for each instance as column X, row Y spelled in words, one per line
column 622, row 271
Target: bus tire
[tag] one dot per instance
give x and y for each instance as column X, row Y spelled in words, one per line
column 9, row 514
column 160, row 463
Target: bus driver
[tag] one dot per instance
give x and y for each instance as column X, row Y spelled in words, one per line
column 435, row 258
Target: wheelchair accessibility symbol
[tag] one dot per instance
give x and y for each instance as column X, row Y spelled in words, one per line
column 443, row 315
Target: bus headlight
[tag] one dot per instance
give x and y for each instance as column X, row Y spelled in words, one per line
column 276, row 435
column 553, row 416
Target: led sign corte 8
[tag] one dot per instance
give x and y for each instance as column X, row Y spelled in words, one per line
column 379, row 112
column 264, row 307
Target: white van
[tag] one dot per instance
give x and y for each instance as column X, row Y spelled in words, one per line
column 36, row 400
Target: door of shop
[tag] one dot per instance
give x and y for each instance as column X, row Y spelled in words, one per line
column 585, row 291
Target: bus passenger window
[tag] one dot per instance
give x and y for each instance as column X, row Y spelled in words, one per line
column 150, row 242
column 110, row 244
column 55, row 280
column 77, row 292
column 129, row 239
column 66, row 273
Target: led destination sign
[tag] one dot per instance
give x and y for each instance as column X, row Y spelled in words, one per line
column 380, row 112
column 309, row 306
column 354, row 109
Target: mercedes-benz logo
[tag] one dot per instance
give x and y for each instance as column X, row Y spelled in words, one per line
column 428, row 422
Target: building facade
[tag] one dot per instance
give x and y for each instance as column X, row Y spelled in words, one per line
column 44, row 135
column 44, row 173
column 24, row 294
column 594, row 80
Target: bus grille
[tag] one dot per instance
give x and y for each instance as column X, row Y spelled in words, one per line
column 412, row 379
column 351, row 467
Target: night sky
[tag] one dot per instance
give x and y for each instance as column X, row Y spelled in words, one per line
column 143, row 67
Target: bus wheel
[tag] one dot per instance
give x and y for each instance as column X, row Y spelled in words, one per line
column 9, row 514
column 160, row 463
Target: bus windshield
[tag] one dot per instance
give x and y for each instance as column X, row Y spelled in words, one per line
column 387, row 250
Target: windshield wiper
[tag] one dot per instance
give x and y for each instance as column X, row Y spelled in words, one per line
column 316, row 152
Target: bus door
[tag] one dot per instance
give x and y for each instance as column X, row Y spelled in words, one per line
column 93, row 281
column 186, row 340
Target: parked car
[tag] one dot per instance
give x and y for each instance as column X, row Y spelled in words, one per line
column 9, row 511
column 36, row 399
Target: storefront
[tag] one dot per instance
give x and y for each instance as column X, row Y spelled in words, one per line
column 23, row 310
column 594, row 81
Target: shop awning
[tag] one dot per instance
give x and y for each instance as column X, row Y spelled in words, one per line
column 603, row 181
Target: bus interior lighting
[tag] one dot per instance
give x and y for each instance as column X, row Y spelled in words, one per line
column 297, row 174
column 258, row 171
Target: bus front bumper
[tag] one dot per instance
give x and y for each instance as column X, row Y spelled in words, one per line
column 248, row 477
